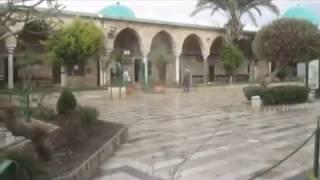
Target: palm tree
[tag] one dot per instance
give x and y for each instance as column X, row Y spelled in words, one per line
column 234, row 10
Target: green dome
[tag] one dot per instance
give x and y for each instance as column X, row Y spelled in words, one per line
column 300, row 12
column 117, row 10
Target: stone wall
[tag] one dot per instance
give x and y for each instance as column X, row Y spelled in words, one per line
column 90, row 79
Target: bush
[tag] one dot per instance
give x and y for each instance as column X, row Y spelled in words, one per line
column 67, row 102
column 78, row 125
column 88, row 116
column 279, row 94
column 252, row 91
column 43, row 113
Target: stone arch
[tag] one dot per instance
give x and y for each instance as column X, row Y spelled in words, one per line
column 215, row 66
column 192, row 44
column 162, row 43
column 128, row 39
column 217, row 46
column 192, row 57
column 127, row 44
column 164, row 38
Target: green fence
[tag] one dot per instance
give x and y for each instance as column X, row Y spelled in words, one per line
column 7, row 170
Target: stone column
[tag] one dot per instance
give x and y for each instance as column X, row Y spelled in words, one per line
column 177, row 67
column 104, row 79
column 269, row 67
column 10, row 66
column 101, row 71
column 145, row 62
column 205, row 69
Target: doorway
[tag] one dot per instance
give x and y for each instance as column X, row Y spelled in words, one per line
column 211, row 73
column 137, row 68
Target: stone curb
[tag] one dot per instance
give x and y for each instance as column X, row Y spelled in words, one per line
column 284, row 108
column 90, row 166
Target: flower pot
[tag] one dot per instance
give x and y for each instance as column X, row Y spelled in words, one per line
column 130, row 89
column 159, row 89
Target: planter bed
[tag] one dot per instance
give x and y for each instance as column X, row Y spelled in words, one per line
column 71, row 159
column 81, row 159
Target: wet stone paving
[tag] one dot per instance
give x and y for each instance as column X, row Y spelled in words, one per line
column 204, row 135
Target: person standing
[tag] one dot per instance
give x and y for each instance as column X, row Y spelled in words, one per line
column 126, row 78
column 186, row 83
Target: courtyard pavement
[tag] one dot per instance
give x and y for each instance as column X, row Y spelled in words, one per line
column 212, row 128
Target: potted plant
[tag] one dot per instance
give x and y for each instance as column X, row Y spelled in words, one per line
column 130, row 89
column 159, row 87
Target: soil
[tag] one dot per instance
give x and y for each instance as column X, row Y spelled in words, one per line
column 70, row 155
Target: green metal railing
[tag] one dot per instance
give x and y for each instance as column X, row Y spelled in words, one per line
column 7, row 169
column 315, row 172
column 316, row 151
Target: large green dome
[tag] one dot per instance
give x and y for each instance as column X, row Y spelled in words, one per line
column 118, row 11
column 301, row 12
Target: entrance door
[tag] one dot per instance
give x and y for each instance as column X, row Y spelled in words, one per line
column 137, row 67
column 211, row 73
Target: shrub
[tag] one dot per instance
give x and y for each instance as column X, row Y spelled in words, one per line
column 88, row 116
column 43, row 113
column 67, row 102
column 252, row 91
column 78, row 125
column 285, row 95
column 279, row 94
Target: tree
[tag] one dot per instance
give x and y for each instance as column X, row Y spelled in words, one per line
column 232, row 59
column 15, row 16
column 74, row 43
column 161, row 57
column 245, row 45
column 22, row 12
column 286, row 41
column 38, row 133
column 234, row 10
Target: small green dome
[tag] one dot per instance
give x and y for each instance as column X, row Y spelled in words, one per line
column 300, row 12
column 117, row 10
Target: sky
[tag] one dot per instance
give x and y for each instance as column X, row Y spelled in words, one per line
column 179, row 10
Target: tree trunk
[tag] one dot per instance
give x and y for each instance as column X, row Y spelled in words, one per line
column 271, row 76
column 63, row 77
column 255, row 71
column 230, row 79
column 38, row 133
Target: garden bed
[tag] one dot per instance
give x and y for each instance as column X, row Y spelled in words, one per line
column 72, row 155
column 72, row 138
column 70, row 158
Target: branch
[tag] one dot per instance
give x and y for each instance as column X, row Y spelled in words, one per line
column 9, row 34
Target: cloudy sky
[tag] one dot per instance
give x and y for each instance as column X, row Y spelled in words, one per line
column 180, row 10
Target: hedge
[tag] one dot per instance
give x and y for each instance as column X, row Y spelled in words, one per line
column 278, row 94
